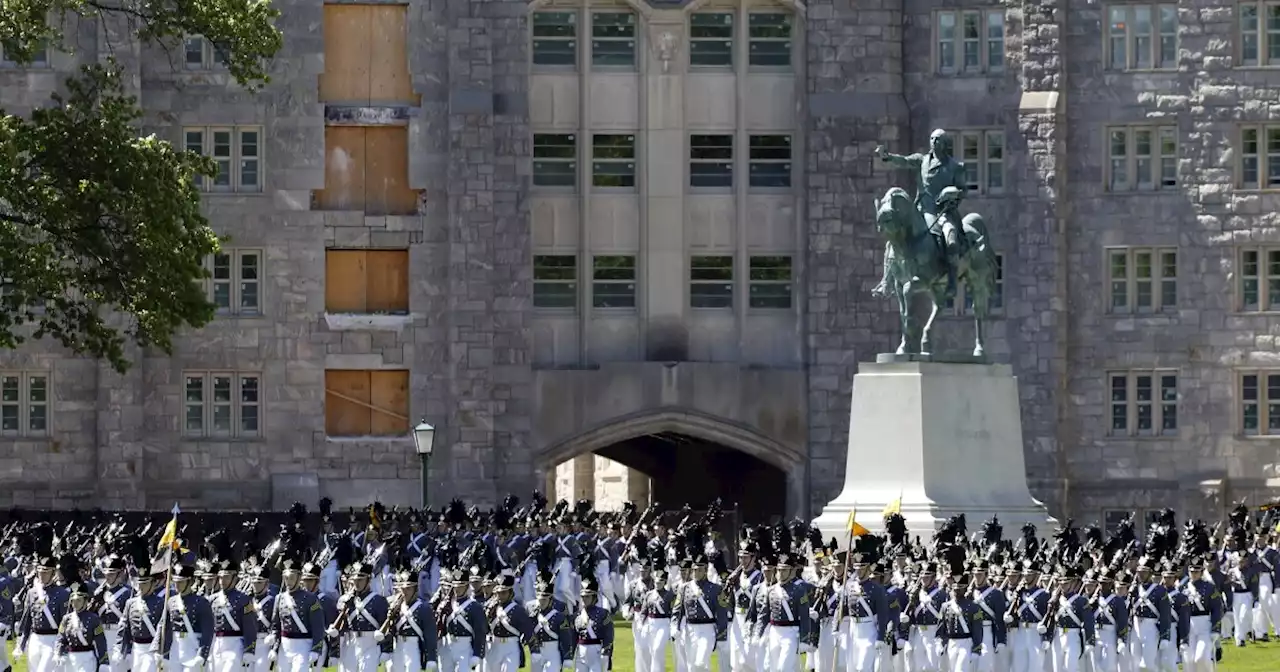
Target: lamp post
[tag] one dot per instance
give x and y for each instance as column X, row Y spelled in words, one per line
column 424, row 438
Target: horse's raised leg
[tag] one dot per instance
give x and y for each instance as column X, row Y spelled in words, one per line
column 904, row 317
column 925, row 345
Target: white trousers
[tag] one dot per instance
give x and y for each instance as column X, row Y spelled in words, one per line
column 294, row 656
column 657, row 635
column 924, row 651
column 677, row 645
column 1144, row 642
column 1266, row 613
column 1065, row 649
column 183, row 654
column 404, row 656
column 739, row 632
column 360, row 653
column 640, row 641
column 116, row 660
column 261, row 654
column 40, row 652
column 1026, row 652
column 958, row 654
column 144, row 658
column 860, row 653
column 226, row 654
column 566, row 587
column 545, row 659
column 699, row 642
column 455, row 654
column 987, row 658
column 1242, row 615
column 608, row 599
column 1104, row 656
column 503, row 655
column 781, row 648
column 1198, row 656
column 80, row 661
column 589, row 659
column 830, row 652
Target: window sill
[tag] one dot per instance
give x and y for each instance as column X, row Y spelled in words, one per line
column 990, row 74
column 614, row 311
column 1163, row 191
column 709, row 191
column 8, row 67
column 241, row 194
column 189, row 438
column 238, row 316
column 614, row 69
column 555, row 312
column 1141, row 437
column 1254, row 313
column 1258, row 437
column 1162, row 314
column 548, row 190
column 1257, row 190
column 1264, row 68
column 1142, row 71
column 711, row 69
column 367, row 322
column 619, row 191
column 770, row 70
column 771, row 191
column 709, row 309
column 993, row 315
column 407, row 438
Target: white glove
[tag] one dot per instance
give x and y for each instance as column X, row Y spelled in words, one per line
column 431, row 665
column 271, row 655
column 315, row 658
column 999, row 648
column 378, row 636
column 1008, row 618
column 904, row 619
column 806, row 648
column 1044, row 646
column 1041, row 629
column 196, row 663
column 331, row 632
column 473, row 663
column 104, row 668
column 270, row 641
column 879, row 645
column 902, row 644
column 247, row 659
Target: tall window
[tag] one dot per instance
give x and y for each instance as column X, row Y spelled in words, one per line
column 613, row 160
column 613, row 281
column 222, row 404
column 1142, row 279
column 711, row 160
column 236, row 151
column 555, row 39
column 555, row 281
column 1142, row 37
column 1259, row 273
column 201, row 54
column 1260, row 403
column 711, row 39
column 236, row 283
column 769, row 40
column 613, row 39
column 1142, row 158
column 970, row 41
column 982, row 152
column 770, row 283
column 1144, row 403
column 1260, row 156
column 962, row 303
column 24, row 403
column 711, row 281
column 555, row 160
column 769, row 161
column 1259, row 39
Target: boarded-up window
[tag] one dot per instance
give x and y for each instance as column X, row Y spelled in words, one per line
column 365, row 57
column 366, row 281
column 367, row 169
column 366, row 403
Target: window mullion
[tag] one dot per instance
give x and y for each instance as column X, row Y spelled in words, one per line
column 235, row 404
column 24, row 404
column 236, row 266
column 207, row 386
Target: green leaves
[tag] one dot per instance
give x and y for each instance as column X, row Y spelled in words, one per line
column 102, row 240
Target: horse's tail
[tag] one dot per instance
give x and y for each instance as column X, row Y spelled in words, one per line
column 987, row 263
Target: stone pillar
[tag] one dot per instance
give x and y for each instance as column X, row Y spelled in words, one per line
column 637, row 488
column 1037, row 272
column 858, row 43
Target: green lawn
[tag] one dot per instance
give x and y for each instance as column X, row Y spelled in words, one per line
column 1253, row 658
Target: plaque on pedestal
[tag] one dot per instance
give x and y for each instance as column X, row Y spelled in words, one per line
column 942, row 438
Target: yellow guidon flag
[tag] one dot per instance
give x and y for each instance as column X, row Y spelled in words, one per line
column 169, row 540
column 892, row 507
column 856, row 530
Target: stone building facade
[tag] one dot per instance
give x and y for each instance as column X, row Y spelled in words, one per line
column 563, row 227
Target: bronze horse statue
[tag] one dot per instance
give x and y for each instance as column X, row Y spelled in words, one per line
column 917, row 263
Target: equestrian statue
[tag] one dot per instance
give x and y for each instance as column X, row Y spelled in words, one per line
column 930, row 247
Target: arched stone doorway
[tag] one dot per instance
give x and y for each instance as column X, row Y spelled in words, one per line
column 693, row 458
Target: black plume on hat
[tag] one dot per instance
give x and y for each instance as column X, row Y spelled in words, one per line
column 69, row 567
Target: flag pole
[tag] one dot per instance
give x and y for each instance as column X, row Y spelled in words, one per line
column 168, row 576
column 848, row 556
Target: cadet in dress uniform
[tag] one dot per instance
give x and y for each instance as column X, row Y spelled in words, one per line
column 1242, row 581
column 311, row 581
column 657, row 606
column 868, row 615
column 1203, row 619
column 235, row 626
column 147, row 634
column 110, row 596
column 463, row 627
column 593, row 631
column 923, row 613
column 703, row 615
column 828, row 610
column 1266, row 611
column 741, row 584
column 192, row 621
column 1030, row 605
column 893, row 656
column 362, row 611
column 297, row 623
column 566, row 551
column 784, row 619
column 959, row 628
column 632, row 609
column 42, row 611
column 510, row 627
column 552, row 643
column 82, row 644
column 1152, row 624
column 411, row 627
column 992, row 604
column 264, row 609
column 9, row 587
column 1111, row 620
column 1171, row 574
column 1073, row 632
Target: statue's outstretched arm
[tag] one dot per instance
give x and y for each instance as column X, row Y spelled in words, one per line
column 911, row 161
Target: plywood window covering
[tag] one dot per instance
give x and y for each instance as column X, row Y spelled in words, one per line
column 367, row 170
column 367, row 281
column 366, row 403
column 366, row 61
column 24, row 403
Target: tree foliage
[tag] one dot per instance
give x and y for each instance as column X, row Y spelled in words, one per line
column 102, row 240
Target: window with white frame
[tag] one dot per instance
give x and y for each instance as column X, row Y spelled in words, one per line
column 711, row 39
column 555, row 39
column 555, row 160
column 1260, row 156
column 1142, row 279
column 1259, row 42
column 1260, row 402
column 711, row 161
column 39, row 59
column 555, row 281
column 613, row 281
column 1259, row 273
column 1144, row 403
column 613, row 39
column 1142, row 37
column 1142, row 158
column 711, row 281
column 24, row 403
column 769, row 40
column 969, row 41
column 237, row 152
column 962, row 302
column 222, row 404
column 769, row 161
column 235, row 282
column 982, row 152
column 200, row 53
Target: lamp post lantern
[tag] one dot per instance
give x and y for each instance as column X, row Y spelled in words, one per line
column 424, row 438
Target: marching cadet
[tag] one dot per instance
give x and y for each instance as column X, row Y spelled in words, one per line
column 361, row 613
column 758, row 613
column 601, row 566
column 828, row 610
column 1111, row 618
column 923, row 614
column 1151, row 618
column 552, row 644
column 82, row 644
column 464, row 627
column 207, row 577
column 991, row 605
column 111, row 595
column 684, row 571
column 1073, row 625
column 1242, row 581
column 868, row 615
column 411, row 625
column 784, row 621
column 703, row 616
column 264, row 609
column 297, row 624
column 1029, row 606
column 565, row 554
column 657, row 606
column 1266, row 610
column 192, row 622
column 1202, row 613
column 42, row 612
column 741, row 584
column 632, row 609
column 593, row 631
column 311, row 581
column 509, row 627
column 959, row 628
column 892, row 656
column 1007, row 582
column 1178, row 616
column 235, row 626
column 9, row 587
column 142, row 635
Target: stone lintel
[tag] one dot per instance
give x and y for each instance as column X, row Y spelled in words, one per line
column 1038, row 102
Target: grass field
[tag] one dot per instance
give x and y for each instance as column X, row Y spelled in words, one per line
column 1253, row 658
